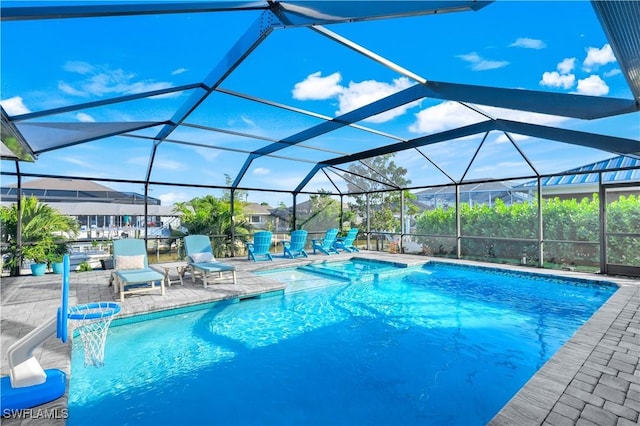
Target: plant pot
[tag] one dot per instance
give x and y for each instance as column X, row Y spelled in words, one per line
column 38, row 269
column 57, row 267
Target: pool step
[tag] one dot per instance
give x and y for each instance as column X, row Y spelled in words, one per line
column 328, row 270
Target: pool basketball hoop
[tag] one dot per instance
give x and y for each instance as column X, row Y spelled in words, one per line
column 92, row 323
column 28, row 384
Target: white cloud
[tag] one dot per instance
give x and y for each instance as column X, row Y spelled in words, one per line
column 78, row 67
column 528, row 43
column 85, row 118
column 359, row 94
column 553, row 79
column 525, row 116
column 170, row 198
column 14, row 106
column 179, row 71
column 146, row 86
column 207, row 154
column 449, row 115
column 247, row 121
column 316, row 87
column 158, row 163
column 102, row 81
column 478, row 63
column 65, row 88
column 444, row 116
column 353, row 96
column 597, row 57
column 592, row 85
column 168, row 164
column 79, row 162
column 615, row 71
column 261, row 171
column 567, row 65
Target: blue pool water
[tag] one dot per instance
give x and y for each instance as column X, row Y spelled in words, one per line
column 435, row 345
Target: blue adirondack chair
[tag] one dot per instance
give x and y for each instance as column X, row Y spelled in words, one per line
column 295, row 246
column 325, row 245
column 259, row 249
column 346, row 243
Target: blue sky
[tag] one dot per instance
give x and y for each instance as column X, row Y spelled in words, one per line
column 551, row 46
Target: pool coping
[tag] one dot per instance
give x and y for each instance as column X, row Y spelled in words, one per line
column 594, row 377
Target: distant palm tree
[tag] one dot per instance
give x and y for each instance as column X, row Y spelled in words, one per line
column 43, row 231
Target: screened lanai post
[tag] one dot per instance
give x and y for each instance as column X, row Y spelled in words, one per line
column 540, row 226
column 18, row 266
column 602, row 216
column 402, row 217
column 232, row 197
column 341, row 212
column 458, row 224
column 146, row 213
column 295, row 207
column 368, row 223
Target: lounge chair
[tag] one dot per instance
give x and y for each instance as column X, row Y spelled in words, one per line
column 260, row 248
column 295, row 246
column 200, row 259
column 132, row 273
column 325, row 245
column 346, row 243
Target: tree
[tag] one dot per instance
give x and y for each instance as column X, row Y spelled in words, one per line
column 378, row 174
column 239, row 194
column 324, row 213
column 211, row 216
column 42, row 232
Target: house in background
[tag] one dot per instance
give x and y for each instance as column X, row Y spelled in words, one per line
column 259, row 216
column 583, row 181
column 575, row 183
column 485, row 193
column 100, row 211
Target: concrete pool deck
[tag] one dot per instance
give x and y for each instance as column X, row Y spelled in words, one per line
column 594, row 379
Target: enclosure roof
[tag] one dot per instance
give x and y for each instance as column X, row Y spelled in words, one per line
column 110, row 209
column 627, row 170
column 255, row 95
column 80, row 191
column 65, row 184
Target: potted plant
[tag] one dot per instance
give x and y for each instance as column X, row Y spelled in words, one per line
column 42, row 231
column 56, row 264
column 38, row 254
column 55, row 256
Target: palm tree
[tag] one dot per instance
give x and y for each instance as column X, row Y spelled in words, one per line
column 42, row 232
column 211, row 216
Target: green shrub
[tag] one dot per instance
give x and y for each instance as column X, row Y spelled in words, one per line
column 573, row 224
column 84, row 267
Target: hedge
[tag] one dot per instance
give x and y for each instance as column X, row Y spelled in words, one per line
column 575, row 225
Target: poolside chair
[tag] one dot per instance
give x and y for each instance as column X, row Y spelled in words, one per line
column 295, row 246
column 326, row 244
column 346, row 243
column 132, row 273
column 200, row 259
column 259, row 249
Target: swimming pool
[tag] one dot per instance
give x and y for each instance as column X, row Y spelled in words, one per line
column 437, row 344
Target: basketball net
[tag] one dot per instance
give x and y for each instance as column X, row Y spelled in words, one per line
column 92, row 323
